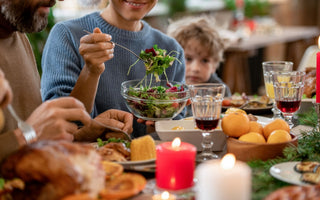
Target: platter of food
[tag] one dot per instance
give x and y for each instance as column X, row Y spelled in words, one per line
column 138, row 152
column 286, row 172
column 251, row 104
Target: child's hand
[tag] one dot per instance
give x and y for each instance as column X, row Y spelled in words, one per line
column 96, row 48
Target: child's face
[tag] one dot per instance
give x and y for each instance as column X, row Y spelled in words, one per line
column 199, row 64
column 132, row 10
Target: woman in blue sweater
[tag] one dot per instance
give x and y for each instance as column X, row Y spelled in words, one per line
column 90, row 68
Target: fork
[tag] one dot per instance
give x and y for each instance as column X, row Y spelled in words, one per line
column 27, row 130
column 119, row 45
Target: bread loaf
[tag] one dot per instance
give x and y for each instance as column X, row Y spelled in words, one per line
column 143, row 148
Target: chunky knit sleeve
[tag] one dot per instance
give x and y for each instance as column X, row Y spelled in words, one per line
column 61, row 64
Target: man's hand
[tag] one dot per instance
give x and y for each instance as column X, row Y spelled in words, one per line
column 53, row 119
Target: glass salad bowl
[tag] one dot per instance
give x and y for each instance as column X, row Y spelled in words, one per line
column 156, row 100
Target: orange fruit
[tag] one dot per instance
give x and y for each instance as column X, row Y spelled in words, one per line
column 277, row 124
column 279, row 136
column 235, row 124
column 252, row 137
column 233, row 110
column 256, row 127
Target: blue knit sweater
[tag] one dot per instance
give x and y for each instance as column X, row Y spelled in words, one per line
column 62, row 62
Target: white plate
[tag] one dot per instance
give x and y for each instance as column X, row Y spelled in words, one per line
column 285, row 172
column 140, row 162
column 264, row 120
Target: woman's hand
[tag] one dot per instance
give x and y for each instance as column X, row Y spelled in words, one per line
column 118, row 119
column 114, row 118
column 96, row 48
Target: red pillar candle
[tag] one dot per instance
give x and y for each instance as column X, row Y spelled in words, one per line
column 318, row 75
column 175, row 165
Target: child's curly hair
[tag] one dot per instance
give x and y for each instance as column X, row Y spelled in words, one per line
column 200, row 28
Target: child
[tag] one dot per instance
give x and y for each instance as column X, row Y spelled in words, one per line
column 203, row 49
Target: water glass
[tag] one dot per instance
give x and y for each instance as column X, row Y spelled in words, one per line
column 269, row 67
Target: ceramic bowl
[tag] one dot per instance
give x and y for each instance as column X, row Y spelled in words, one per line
column 188, row 132
column 246, row 151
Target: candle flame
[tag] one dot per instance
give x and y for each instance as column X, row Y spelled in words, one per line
column 165, row 195
column 228, row 161
column 319, row 42
column 176, row 142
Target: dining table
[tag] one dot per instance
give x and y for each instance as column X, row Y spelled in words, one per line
column 263, row 183
column 236, row 66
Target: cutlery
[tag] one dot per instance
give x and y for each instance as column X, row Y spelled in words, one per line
column 27, row 130
column 119, row 45
column 112, row 128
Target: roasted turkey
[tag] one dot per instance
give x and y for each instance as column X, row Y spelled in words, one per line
column 54, row 169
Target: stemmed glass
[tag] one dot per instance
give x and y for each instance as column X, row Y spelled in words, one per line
column 206, row 101
column 288, row 90
column 269, row 67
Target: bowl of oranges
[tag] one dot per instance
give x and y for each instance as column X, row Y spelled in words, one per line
column 250, row 140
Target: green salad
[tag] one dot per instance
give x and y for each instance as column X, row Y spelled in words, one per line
column 159, row 100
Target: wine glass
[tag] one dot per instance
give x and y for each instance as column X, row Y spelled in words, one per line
column 288, row 90
column 268, row 67
column 206, row 101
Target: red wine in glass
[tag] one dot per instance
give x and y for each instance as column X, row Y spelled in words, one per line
column 208, row 123
column 288, row 106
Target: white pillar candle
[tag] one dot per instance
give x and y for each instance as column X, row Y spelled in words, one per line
column 225, row 179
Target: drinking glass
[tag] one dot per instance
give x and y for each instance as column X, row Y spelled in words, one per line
column 269, row 67
column 288, row 90
column 206, row 101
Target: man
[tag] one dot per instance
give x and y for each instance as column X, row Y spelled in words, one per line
column 52, row 119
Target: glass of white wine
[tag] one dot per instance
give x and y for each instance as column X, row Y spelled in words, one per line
column 269, row 67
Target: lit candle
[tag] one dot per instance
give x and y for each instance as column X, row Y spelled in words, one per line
column 164, row 196
column 175, row 165
column 318, row 75
column 225, row 179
